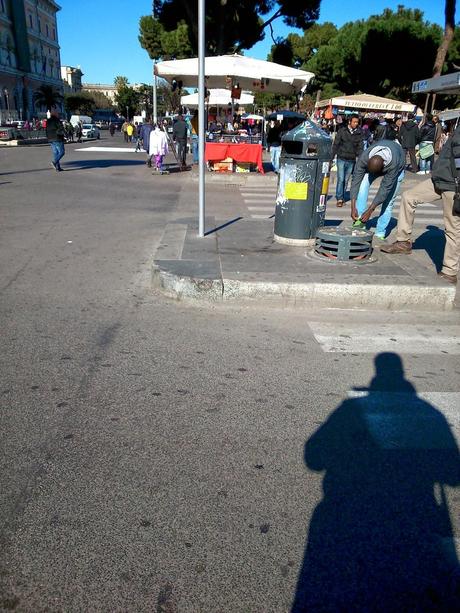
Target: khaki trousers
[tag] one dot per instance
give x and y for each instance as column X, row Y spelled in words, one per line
column 425, row 192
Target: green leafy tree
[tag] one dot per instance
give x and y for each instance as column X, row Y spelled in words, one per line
column 102, row 101
column 120, row 82
column 231, row 25
column 127, row 100
column 365, row 55
column 48, row 97
column 83, row 104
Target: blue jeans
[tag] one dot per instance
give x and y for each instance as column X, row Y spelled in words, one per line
column 196, row 158
column 344, row 170
column 386, row 207
column 57, row 147
column 275, row 152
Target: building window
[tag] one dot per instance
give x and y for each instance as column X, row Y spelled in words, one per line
column 39, row 25
column 47, row 30
column 2, row 5
column 54, row 33
column 31, row 23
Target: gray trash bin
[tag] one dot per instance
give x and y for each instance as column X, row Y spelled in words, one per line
column 303, row 184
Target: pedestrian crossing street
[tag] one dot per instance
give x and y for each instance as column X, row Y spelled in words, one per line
column 260, row 202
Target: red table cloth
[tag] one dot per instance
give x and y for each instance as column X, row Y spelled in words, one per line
column 240, row 152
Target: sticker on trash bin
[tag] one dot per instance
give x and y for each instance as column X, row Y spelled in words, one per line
column 325, row 167
column 322, row 204
column 325, row 186
column 295, row 191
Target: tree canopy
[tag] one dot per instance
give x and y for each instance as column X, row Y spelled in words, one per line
column 231, row 25
column 365, row 55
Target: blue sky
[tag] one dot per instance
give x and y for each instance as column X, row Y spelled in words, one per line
column 100, row 36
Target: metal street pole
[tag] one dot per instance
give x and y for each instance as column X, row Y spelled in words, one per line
column 154, row 87
column 201, row 114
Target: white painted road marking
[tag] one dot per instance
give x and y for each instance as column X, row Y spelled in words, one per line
column 402, row 338
column 107, row 149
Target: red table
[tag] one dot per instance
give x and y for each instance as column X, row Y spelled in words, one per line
column 240, row 152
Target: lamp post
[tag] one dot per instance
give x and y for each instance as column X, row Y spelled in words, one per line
column 154, row 87
column 201, row 114
column 127, row 113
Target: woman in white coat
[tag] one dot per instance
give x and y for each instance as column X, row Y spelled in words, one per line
column 158, row 147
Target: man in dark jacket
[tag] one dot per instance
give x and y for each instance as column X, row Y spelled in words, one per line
column 440, row 186
column 409, row 137
column 55, row 136
column 384, row 159
column 180, row 132
column 144, row 134
column 348, row 145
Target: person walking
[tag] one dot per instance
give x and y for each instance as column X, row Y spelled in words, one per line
column 348, row 145
column 145, row 131
column 111, row 128
column 194, row 137
column 124, row 128
column 130, row 132
column 78, row 132
column 384, row 159
column 409, row 137
column 444, row 185
column 55, row 136
column 158, row 148
column 180, row 133
column 426, row 149
column 274, row 143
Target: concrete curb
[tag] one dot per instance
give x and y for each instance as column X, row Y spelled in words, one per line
column 207, row 280
column 24, row 142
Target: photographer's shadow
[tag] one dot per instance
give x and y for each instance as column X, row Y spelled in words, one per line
column 381, row 538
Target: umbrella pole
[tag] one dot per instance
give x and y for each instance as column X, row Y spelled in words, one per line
column 201, row 116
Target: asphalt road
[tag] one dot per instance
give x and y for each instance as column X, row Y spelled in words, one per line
column 171, row 458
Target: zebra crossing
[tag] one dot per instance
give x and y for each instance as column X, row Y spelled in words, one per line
column 260, row 203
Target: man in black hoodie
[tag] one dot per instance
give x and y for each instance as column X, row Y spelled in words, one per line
column 55, row 136
column 442, row 185
column 409, row 137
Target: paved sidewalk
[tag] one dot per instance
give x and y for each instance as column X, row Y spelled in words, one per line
column 238, row 259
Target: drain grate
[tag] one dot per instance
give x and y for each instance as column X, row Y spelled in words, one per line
column 344, row 244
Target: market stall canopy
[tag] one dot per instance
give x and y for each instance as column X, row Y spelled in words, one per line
column 252, row 116
column 217, row 97
column 227, row 70
column 367, row 102
column 449, row 114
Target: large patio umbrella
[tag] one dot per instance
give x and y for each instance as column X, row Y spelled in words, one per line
column 229, row 70
column 367, row 102
column 217, row 97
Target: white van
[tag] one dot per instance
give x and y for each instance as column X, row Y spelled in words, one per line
column 80, row 118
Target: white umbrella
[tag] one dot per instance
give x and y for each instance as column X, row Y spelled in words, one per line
column 218, row 97
column 227, row 70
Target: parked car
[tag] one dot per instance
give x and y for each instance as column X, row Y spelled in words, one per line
column 89, row 130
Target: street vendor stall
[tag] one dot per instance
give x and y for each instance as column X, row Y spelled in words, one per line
column 364, row 103
column 227, row 153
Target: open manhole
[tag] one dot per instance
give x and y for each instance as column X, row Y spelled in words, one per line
column 344, row 244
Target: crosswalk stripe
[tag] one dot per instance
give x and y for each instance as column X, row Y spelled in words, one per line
column 261, row 208
column 261, row 216
column 370, row 338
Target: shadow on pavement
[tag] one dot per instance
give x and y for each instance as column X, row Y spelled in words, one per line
column 87, row 164
column 433, row 242
column 380, row 541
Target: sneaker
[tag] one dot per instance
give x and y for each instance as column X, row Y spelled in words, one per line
column 380, row 237
column 400, row 247
column 339, row 203
column 449, row 278
column 422, row 172
column 358, row 225
column 54, row 165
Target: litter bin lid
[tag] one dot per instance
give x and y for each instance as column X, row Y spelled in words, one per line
column 307, row 140
column 307, row 130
